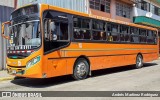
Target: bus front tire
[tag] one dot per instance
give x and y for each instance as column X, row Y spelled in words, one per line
column 81, row 69
column 139, row 62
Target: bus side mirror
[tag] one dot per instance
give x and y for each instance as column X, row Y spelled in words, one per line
column 6, row 30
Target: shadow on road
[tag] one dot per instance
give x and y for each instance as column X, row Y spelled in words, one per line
column 41, row 83
column 119, row 69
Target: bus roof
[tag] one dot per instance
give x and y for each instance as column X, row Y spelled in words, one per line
column 99, row 17
column 51, row 7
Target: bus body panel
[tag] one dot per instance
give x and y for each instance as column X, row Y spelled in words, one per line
column 34, row 71
column 106, row 56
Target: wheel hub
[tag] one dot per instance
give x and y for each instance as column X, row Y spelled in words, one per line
column 81, row 69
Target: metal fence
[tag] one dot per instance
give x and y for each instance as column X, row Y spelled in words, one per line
column 4, row 16
column 78, row 5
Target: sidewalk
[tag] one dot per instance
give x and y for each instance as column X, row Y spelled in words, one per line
column 5, row 76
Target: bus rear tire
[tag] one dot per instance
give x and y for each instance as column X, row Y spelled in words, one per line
column 81, row 69
column 139, row 61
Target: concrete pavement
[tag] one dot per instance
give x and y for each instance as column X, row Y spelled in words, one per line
column 5, row 76
column 114, row 79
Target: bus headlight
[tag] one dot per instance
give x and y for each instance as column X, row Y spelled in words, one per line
column 33, row 61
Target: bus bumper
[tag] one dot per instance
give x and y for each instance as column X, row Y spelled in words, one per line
column 23, row 72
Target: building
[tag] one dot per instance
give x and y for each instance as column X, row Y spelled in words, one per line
column 115, row 9
column 6, row 7
column 147, row 12
column 135, row 11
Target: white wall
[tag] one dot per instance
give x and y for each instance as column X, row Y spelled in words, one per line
column 8, row 3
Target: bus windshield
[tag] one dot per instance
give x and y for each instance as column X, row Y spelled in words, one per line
column 27, row 33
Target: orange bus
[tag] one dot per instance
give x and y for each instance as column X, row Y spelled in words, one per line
column 47, row 41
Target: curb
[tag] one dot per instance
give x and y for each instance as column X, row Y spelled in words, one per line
column 6, row 78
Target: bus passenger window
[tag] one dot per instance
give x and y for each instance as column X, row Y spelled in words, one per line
column 114, row 28
column 109, row 37
column 78, row 34
column 102, row 35
column 97, row 35
column 134, row 35
column 142, row 34
column 155, row 37
column 124, row 33
column 108, row 27
column 81, row 28
column 150, row 37
column 114, row 31
column 87, row 34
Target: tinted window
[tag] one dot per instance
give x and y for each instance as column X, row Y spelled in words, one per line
column 98, row 25
column 81, row 28
column 142, row 34
column 56, row 28
column 114, row 27
column 124, row 33
column 97, row 35
column 112, row 32
column 81, row 23
column 150, row 37
column 134, row 35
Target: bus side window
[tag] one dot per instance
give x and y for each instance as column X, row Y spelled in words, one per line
column 115, row 33
column 52, row 31
column 109, row 37
column 81, row 28
column 78, row 34
column 155, row 37
column 124, row 33
column 142, row 35
column 46, row 29
column 150, row 37
column 134, row 35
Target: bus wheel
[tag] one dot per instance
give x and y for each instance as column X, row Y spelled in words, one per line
column 81, row 69
column 139, row 62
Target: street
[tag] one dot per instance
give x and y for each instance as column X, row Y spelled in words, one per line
column 115, row 79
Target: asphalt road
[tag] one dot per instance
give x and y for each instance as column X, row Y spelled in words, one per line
column 115, row 79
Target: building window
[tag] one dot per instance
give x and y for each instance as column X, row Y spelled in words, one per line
column 123, row 10
column 159, row 11
column 156, row 10
column 145, row 6
column 102, row 5
column 148, row 7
